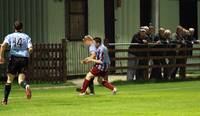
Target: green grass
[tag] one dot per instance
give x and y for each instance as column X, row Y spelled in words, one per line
column 151, row 99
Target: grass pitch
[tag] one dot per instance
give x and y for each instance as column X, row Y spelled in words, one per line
column 153, row 99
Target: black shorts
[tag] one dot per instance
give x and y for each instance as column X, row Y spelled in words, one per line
column 17, row 65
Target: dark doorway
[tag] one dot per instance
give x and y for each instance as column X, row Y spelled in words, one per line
column 110, row 25
column 188, row 14
column 145, row 12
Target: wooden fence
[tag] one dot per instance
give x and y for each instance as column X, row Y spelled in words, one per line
column 152, row 52
column 48, row 63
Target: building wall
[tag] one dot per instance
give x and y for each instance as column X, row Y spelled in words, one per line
column 43, row 19
column 169, row 14
column 56, row 20
column 96, row 18
column 127, row 20
column 30, row 12
column 199, row 19
column 127, row 23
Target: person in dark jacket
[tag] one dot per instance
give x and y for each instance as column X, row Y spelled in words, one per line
column 157, row 72
column 152, row 33
column 190, row 40
column 179, row 39
column 167, row 42
column 138, row 38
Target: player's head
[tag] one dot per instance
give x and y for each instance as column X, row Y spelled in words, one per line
column 98, row 41
column 18, row 26
column 88, row 40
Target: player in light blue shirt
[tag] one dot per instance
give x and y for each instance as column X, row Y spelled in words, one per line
column 20, row 48
column 19, row 44
column 88, row 41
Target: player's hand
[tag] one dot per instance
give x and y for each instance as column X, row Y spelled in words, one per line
column 2, row 60
column 85, row 61
column 89, row 59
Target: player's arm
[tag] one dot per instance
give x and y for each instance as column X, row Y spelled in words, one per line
column 4, row 46
column 92, row 56
column 2, row 52
column 30, row 46
column 94, row 60
column 30, row 50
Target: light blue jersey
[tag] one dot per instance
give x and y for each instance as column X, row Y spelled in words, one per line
column 19, row 44
column 92, row 48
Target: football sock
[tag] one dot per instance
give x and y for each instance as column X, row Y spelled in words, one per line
column 23, row 84
column 91, row 85
column 85, row 85
column 7, row 90
column 107, row 85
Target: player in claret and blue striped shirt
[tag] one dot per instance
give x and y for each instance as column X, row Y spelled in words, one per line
column 100, row 69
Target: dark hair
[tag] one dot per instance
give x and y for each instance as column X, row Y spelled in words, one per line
column 97, row 40
column 18, row 25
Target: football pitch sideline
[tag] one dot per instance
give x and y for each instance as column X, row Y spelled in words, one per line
column 152, row 99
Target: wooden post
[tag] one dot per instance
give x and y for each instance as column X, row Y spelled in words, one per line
column 64, row 68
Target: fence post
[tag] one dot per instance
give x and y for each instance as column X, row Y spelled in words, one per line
column 64, row 66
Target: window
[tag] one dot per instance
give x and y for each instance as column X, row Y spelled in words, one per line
column 76, row 19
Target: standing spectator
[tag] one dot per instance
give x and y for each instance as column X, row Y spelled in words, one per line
column 179, row 39
column 160, row 35
column 167, row 71
column 138, row 38
column 190, row 40
column 152, row 33
column 157, row 72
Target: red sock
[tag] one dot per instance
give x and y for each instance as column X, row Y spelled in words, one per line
column 85, row 85
column 107, row 85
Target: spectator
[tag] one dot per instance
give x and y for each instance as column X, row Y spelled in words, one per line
column 157, row 72
column 190, row 40
column 167, row 71
column 160, row 35
column 152, row 33
column 138, row 38
column 179, row 39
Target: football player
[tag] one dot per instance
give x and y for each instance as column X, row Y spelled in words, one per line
column 100, row 69
column 88, row 41
column 20, row 49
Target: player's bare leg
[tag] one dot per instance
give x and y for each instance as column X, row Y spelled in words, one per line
column 7, row 88
column 23, row 84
